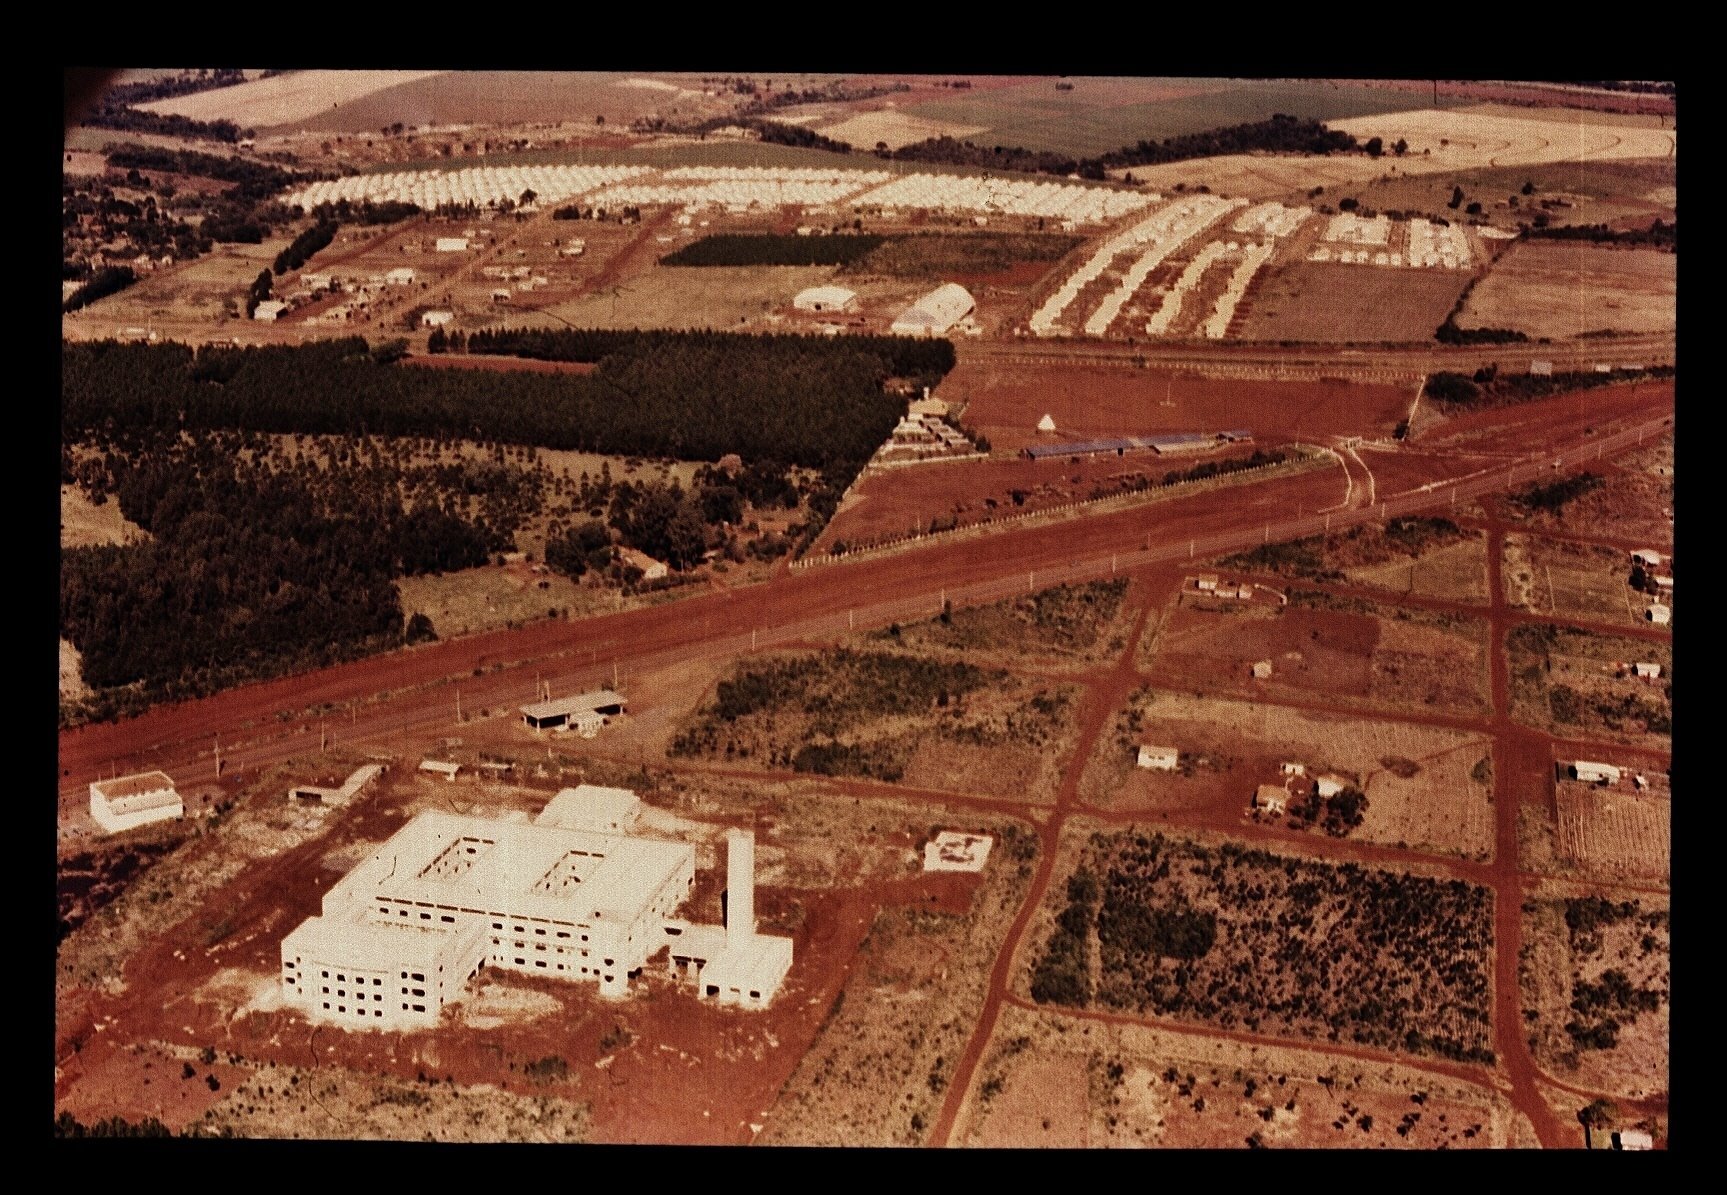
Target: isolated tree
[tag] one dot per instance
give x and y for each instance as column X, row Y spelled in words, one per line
column 1374, row 147
column 1456, row 198
column 419, row 629
column 1401, row 148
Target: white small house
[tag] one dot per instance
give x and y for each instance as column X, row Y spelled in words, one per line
column 126, row 802
column 439, row 767
column 1261, row 669
column 1295, row 769
column 1595, row 773
column 1633, row 1139
column 1272, row 798
column 269, row 311
column 1647, row 557
column 1660, row 615
column 1162, row 759
column 1328, row 786
column 436, row 319
column 652, row 570
column 401, row 276
column 1207, row 582
column 451, row 245
column 952, row 850
column 1646, row 669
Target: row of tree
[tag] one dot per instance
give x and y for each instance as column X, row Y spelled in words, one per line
column 774, row 249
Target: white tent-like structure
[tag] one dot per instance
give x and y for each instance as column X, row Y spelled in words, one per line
column 825, row 298
column 936, row 312
column 1046, row 424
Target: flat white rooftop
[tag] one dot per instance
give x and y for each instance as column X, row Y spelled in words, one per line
column 581, row 703
column 592, row 807
column 480, row 865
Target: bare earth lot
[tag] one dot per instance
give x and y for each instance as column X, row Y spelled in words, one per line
column 1615, row 833
column 1566, row 682
column 1332, row 303
column 1566, row 289
column 1055, row 1080
column 1566, row 579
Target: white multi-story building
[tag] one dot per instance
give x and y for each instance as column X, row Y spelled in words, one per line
column 402, row 933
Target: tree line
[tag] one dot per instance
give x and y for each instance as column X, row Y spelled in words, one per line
column 1280, row 134
column 1487, row 387
column 115, row 109
column 773, row 249
column 1661, row 234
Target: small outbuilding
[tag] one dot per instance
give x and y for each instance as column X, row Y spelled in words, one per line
column 1161, row 759
column 953, row 851
column 1272, row 798
column 1633, row 1139
column 1646, row 669
column 451, row 245
column 594, row 808
column 1595, row 773
column 1647, row 557
column 1660, row 615
column 436, row 319
column 269, row 311
column 936, row 312
column 1261, row 669
column 400, row 276
column 1328, row 786
column 1207, row 582
column 573, row 711
column 1046, row 424
column 127, row 802
column 652, row 570
column 440, row 767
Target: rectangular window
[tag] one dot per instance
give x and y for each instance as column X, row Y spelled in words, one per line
column 497, row 925
column 539, row 931
column 377, row 1012
column 447, row 917
column 561, row 933
column 341, row 979
column 326, row 991
column 539, row 962
column 419, row 991
column 404, row 974
column 288, row 964
column 419, row 977
column 341, row 1008
column 290, row 979
column 425, row 916
column 377, row 983
column 755, row 995
column 326, row 1004
column 326, row 975
column 521, row 962
column 419, row 1008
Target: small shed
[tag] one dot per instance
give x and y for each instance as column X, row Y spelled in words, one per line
column 952, row 850
column 1541, row 369
column 1646, row 669
column 1647, row 557
column 439, row 767
column 1328, row 786
column 1046, row 424
column 1162, row 759
column 1595, row 773
column 1207, row 582
column 825, row 298
column 436, row 319
column 400, row 276
column 1633, row 1139
column 1273, row 798
column 1660, row 615
column 269, row 310
column 1294, row 769
column 451, row 245
column 1261, row 669
column 652, row 570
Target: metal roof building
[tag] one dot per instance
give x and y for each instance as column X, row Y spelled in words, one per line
column 825, row 298
column 126, row 802
column 1164, row 445
column 936, row 312
column 549, row 715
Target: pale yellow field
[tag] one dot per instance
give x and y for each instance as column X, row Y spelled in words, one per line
column 83, row 524
column 867, row 129
column 284, row 98
column 1567, row 288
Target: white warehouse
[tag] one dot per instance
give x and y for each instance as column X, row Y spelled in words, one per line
column 936, row 312
column 402, row 933
column 825, row 298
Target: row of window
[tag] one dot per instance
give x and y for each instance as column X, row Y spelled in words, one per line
column 377, row 1012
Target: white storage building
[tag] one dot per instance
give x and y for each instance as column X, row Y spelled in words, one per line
column 825, row 298
column 127, row 802
column 936, row 312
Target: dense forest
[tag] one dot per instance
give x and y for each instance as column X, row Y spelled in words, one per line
column 1280, row 134
column 810, row 401
column 773, row 249
column 253, row 566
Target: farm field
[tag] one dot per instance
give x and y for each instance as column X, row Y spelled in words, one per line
column 189, row 301
column 1566, row 579
column 1424, row 557
column 893, row 128
column 735, row 298
column 1565, row 682
column 1055, row 1080
column 1441, row 142
column 1567, row 289
column 1614, row 833
column 883, row 714
column 1585, row 192
column 1326, row 302
column 1597, row 975
column 1393, row 961
column 1428, row 788
column 1101, row 114
column 1005, row 402
column 285, row 99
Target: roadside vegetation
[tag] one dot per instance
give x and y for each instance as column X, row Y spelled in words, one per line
column 773, row 249
column 1488, row 388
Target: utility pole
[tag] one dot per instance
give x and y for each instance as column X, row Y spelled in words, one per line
column 458, row 707
column 218, row 757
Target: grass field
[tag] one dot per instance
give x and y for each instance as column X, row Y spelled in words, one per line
column 1566, row 682
column 1104, row 114
column 721, row 297
column 1564, row 289
column 1566, row 579
column 1594, row 190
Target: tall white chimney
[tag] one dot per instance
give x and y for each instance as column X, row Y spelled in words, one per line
column 740, row 887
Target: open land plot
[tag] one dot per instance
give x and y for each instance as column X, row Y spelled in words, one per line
column 893, row 128
column 1428, row 788
column 1057, row 1080
column 1069, row 625
column 1614, row 833
column 1587, row 192
column 187, row 957
column 1628, row 503
column 1428, row 557
column 888, row 504
column 196, row 293
column 1006, row 400
column 1214, row 933
column 1352, row 651
column 1567, row 682
column 1566, row 289
column 999, row 259
column 878, row 1071
column 930, row 722
column 1332, row 303
column 715, row 297
column 84, row 523
column 1596, row 978
column 1566, row 579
